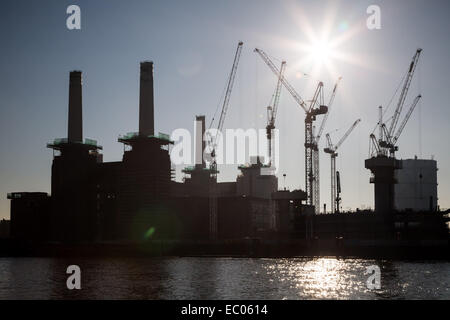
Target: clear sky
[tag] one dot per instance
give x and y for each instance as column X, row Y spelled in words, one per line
column 192, row 44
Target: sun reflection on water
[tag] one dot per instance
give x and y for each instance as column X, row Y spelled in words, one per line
column 321, row 278
column 223, row 278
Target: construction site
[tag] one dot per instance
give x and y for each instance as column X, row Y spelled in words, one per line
column 138, row 201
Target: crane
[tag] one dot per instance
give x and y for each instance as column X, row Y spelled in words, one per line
column 315, row 151
column 375, row 146
column 338, row 191
column 310, row 116
column 331, row 150
column 388, row 135
column 283, row 80
column 382, row 162
column 272, row 113
column 226, row 102
column 313, row 160
column 325, row 117
column 213, row 165
column 390, row 143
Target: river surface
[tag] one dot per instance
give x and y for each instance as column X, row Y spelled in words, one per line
column 222, row 278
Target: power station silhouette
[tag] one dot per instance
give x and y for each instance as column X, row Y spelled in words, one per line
column 137, row 199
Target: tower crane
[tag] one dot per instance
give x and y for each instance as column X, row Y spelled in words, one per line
column 390, row 143
column 382, row 162
column 313, row 161
column 226, row 102
column 213, row 165
column 325, row 117
column 272, row 113
column 310, row 116
column 315, row 152
column 338, row 191
column 388, row 135
column 331, row 150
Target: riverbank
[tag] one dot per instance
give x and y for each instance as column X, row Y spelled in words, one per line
column 235, row 248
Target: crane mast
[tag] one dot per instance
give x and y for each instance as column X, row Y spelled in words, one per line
column 331, row 150
column 338, row 192
column 310, row 117
column 312, row 159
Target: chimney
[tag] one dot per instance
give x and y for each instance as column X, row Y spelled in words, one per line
column 199, row 141
column 146, row 104
column 75, row 126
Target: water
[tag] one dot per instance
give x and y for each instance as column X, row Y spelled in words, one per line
column 222, row 278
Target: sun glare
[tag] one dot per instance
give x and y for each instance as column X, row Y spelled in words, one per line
column 322, row 46
column 321, row 51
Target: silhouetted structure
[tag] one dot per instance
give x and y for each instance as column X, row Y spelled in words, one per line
column 416, row 187
column 5, row 226
column 383, row 178
column 288, row 207
column 144, row 180
column 136, row 199
column 30, row 216
column 73, row 170
column 198, row 179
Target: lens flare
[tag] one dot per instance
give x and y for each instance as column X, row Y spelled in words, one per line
column 149, row 233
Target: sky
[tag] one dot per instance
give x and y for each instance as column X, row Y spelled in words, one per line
column 192, row 44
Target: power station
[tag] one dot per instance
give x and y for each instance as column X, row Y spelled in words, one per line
column 137, row 198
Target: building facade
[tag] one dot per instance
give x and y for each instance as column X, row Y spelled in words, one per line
column 416, row 186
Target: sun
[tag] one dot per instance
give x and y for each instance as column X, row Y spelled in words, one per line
column 323, row 45
column 321, row 51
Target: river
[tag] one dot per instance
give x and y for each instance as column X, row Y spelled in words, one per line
column 222, row 278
